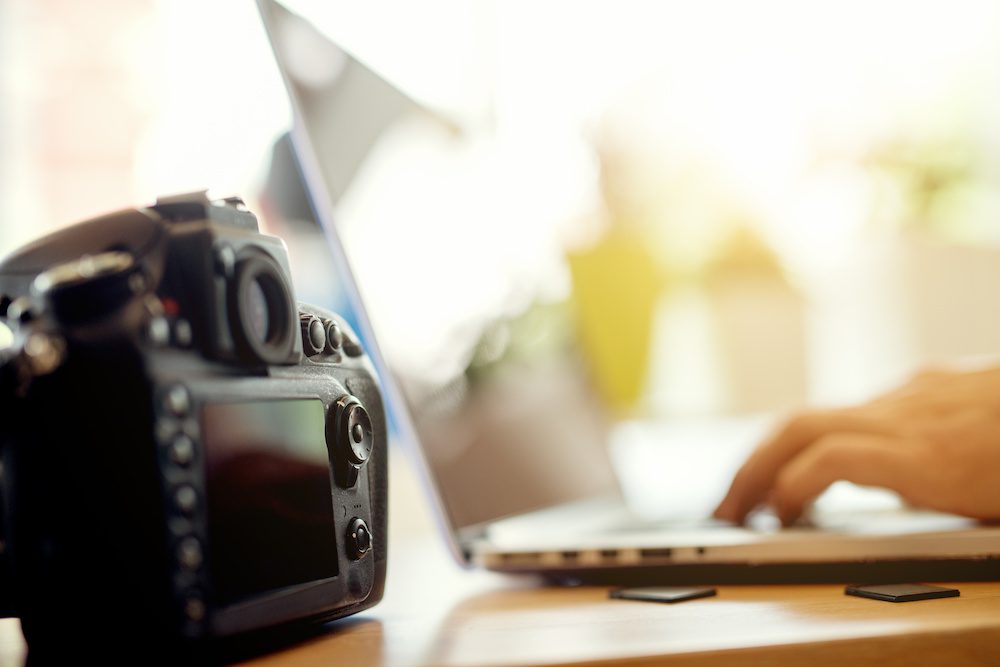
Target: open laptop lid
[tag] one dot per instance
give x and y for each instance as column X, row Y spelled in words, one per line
column 562, row 458
column 491, row 440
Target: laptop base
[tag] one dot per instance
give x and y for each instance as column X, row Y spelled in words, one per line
column 883, row 572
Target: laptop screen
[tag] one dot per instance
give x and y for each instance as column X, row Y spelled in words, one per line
column 492, row 385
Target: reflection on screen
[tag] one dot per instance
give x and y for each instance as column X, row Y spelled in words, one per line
column 270, row 515
column 498, row 398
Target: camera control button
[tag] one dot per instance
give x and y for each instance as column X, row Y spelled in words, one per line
column 358, row 436
column 166, row 429
column 182, row 333
column 334, row 337
column 189, row 553
column 313, row 334
column 158, row 331
column 186, row 499
column 359, row 538
column 177, row 401
column 194, row 608
column 182, row 450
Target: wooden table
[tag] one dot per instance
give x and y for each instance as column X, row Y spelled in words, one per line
column 519, row 624
column 486, row 621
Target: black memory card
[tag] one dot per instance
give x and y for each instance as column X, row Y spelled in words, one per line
column 901, row 592
column 662, row 593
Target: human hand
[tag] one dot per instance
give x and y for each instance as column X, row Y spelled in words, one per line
column 935, row 441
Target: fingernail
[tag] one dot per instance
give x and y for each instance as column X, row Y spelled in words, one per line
column 730, row 514
column 787, row 515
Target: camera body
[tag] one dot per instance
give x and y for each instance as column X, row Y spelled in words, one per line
column 188, row 454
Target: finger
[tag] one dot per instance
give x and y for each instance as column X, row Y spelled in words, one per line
column 918, row 382
column 863, row 458
column 756, row 477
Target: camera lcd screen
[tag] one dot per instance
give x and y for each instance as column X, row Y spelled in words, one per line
column 270, row 513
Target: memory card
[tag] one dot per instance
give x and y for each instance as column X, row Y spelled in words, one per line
column 901, row 592
column 662, row 593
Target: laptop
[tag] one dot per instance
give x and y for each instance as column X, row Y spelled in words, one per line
column 523, row 473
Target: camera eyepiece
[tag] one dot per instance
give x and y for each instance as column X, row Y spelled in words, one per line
column 260, row 307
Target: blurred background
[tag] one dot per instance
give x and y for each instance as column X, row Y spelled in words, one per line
column 698, row 208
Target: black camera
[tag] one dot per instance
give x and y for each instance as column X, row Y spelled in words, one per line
column 188, row 454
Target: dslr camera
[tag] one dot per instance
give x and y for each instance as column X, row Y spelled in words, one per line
column 188, row 454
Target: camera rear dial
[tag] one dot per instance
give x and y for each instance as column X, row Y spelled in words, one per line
column 261, row 311
column 349, row 427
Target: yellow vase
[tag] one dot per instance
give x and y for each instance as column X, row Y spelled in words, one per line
column 616, row 287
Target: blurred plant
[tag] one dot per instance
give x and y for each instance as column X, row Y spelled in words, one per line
column 543, row 331
column 934, row 183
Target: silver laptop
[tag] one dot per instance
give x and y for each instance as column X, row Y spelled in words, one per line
column 522, row 471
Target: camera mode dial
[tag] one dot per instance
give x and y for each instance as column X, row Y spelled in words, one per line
column 90, row 287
